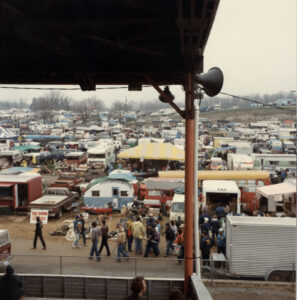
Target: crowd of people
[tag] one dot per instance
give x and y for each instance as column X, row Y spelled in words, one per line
column 133, row 233
column 212, row 231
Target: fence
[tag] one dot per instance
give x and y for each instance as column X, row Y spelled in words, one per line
column 166, row 268
column 107, row 267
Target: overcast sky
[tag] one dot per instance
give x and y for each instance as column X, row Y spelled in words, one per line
column 252, row 41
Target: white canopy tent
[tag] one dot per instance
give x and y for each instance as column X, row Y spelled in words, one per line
column 274, row 193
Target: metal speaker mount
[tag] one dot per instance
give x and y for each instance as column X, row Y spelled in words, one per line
column 212, row 81
column 170, row 96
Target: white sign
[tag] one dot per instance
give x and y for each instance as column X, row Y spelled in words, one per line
column 41, row 213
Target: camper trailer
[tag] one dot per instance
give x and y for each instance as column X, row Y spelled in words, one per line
column 75, row 158
column 103, row 191
column 239, row 162
column 10, row 158
column 100, row 157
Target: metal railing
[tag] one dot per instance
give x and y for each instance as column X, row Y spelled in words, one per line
column 150, row 267
column 108, row 266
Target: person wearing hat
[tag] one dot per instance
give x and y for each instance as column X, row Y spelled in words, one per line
column 221, row 242
column 153, row 239
column 38, row 234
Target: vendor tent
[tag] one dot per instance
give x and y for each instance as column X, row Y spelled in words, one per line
column 156, row 151
column 276, row 189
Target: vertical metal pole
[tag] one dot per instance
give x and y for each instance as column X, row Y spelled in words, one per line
column 189, row 183
column 61, row 270
column 196, row 200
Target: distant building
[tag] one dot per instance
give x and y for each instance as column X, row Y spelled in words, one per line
column 284, row 102
column 217, row 107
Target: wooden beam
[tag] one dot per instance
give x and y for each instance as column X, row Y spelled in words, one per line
column 124, row 46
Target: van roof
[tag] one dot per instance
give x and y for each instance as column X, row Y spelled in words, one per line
column 178, row 198
column 220, row 186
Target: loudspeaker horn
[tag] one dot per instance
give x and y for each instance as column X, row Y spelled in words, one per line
column 212, row 81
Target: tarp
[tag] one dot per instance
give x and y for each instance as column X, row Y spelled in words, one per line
column 26, row 148
column 156, row 151
column 122, row 176
column 276, row 189
column 5, row 133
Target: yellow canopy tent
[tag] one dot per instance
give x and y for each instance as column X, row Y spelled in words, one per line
column 157, row 151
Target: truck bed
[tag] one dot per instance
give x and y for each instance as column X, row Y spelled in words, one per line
column 48, row 200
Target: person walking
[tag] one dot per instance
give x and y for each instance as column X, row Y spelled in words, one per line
column 173, row 227
column 180, row 242
column 206, row 226
column 205, row 246
column 83, row 229
column 152, row 240
column 95, row 233
column 221, row 247
column 214, row 226
column 38, row 233
column 220, row 211
column 138, row 231
column 170, row 236
column 121, row 242
column 77, row 231
column 104, row 238
column 129, row 233
column 11, row 286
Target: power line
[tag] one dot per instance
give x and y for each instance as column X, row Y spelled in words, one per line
column 64, row 89
column 258, row 102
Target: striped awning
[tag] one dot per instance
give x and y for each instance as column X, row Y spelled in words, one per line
column 157, row 151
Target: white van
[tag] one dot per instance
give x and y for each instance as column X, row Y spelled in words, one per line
column 177, row 207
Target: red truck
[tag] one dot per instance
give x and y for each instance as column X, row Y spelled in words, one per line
column 68, row 180
column 18, row 191
column 55, row 200
column 160, row 190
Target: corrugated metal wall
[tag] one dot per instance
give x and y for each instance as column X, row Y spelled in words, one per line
column 254, row 249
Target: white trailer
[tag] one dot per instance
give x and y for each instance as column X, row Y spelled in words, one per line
column 261, row 247
column 239, row 162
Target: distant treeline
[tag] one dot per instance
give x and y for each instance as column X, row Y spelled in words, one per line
column 21, row 103
column 54, row 101
column 229, row 102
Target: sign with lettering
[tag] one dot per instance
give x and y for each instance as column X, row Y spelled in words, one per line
column 41, row 213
